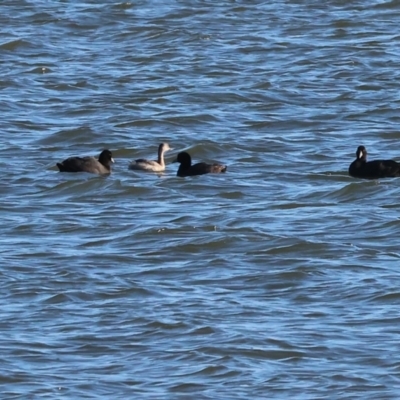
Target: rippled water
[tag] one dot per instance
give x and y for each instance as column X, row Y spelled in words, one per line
column 277, row 279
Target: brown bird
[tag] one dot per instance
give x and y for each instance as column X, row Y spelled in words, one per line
column 187, row 169
column 150, row 165
column 88, row 164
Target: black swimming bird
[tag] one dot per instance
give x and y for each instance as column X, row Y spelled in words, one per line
column 187, row 169
column 376, row 169
column 88, row 164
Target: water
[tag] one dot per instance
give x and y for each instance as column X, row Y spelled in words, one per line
column 278, row 279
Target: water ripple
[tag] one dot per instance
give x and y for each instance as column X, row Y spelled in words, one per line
column 276, row 279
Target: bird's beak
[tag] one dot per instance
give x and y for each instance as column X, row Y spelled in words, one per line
column 112, row 160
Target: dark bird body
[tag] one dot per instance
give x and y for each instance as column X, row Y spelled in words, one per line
column 88, row 164
column 187, row 169
column 361, row 168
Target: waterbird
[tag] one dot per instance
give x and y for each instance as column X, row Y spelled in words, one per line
column 187, row 169
column 361, row 168
column 88, row 164
column 150, row 165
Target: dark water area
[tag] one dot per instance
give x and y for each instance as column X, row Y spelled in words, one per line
column 277, row 279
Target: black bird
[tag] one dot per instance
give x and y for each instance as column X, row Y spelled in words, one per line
column 376, row 169
column 88, row 164
column 187, row 169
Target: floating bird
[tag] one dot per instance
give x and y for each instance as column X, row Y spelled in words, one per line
column 150, row 165
column 88, row 164
column 376, row 169
column 187, row 169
